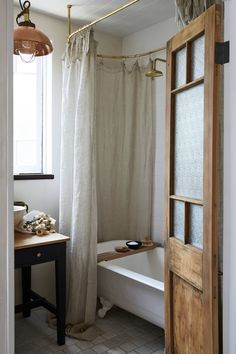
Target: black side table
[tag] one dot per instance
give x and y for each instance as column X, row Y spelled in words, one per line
column 31, row 250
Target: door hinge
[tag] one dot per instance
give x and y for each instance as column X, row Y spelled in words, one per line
column 222, row 52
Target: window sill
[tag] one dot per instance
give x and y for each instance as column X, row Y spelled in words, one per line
column 32, row 176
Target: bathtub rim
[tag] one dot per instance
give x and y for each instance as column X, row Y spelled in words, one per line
column 143, row 279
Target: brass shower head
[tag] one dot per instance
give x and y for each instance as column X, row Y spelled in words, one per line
column 153, row 72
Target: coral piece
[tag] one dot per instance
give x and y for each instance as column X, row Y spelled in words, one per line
column 39, row 223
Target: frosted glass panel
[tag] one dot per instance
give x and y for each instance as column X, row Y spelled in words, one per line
column 198, row 52
column 188, row 167
column 196, row 226
column 180, row 68
column 178, row 220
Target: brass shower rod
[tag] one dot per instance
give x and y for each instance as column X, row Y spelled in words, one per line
column 70, row 35
column 132, row 56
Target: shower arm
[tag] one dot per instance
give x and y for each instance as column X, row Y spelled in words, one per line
column 159, row 59
column 155, row 60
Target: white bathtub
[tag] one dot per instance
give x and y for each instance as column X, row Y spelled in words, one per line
column 134, row 283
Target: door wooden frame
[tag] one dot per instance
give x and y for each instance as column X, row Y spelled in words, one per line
column 207, row 260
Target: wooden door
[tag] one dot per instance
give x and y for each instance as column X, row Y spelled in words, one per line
column 192, row 188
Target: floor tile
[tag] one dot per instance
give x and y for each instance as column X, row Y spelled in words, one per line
column 100, row 348
column 99, row 340
column 116, row 351
column 118, row 333
column 144, row 349
column 72, row 349
column 128, row 346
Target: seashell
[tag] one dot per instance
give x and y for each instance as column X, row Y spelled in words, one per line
column 39, row 232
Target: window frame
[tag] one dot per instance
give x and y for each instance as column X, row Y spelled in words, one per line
column 44, row 109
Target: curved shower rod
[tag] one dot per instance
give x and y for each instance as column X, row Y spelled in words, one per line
column 70, row 35
column 131, row 56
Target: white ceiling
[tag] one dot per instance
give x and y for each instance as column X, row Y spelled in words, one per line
column 137, row 17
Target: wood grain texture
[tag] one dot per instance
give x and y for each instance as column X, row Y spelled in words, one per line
column 29, row 240
column 186, row 222
column 188, row 318
column 170, row 81
column 188, row 85
column 189, row 33
column 189, row 62
column 109, row 256
column 187, row 200
column 186, row 261
column 191, row 282
column 211, row 179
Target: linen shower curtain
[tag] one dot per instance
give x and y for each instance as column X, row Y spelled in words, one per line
column 78, row 206
column 108, row 153
column 124, row 150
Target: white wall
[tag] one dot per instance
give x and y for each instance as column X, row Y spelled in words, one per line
column 229, row 265
column 155, row 37
column 44, row 194
column 6, row 185
column 31, row 191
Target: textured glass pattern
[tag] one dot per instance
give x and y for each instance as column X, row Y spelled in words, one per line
column 188, row 156
column 198, row 53
column 178, row 220
column 196, row 226
column 180, row 68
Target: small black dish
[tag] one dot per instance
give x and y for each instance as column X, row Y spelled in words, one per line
column 134, row 245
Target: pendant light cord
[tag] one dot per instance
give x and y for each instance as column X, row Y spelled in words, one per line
column 24, row 7
column 26, row 4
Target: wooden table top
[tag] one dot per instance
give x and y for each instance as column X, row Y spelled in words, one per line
column 24, row 240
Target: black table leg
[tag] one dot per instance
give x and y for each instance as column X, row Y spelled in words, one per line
column 61, row 294
column 26, row 287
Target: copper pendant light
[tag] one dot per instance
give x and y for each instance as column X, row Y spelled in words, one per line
column 29, row 42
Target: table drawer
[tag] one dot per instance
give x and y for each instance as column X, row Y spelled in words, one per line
column 37, row 255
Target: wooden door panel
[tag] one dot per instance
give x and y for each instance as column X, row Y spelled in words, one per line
column 188, row 317
column 192, row 187
column 186, row 262
column 193, row 31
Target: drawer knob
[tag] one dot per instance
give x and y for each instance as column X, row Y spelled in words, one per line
column 39, row 254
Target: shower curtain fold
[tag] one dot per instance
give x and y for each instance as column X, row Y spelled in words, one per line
column 107, row 152
column 78, row 206
column 124, row 150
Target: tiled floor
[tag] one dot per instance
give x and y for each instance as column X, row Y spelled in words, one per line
column 120, row 332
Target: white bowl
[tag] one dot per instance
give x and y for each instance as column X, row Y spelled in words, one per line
column 19, row 212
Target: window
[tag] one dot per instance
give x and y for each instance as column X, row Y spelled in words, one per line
column 32, row 116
